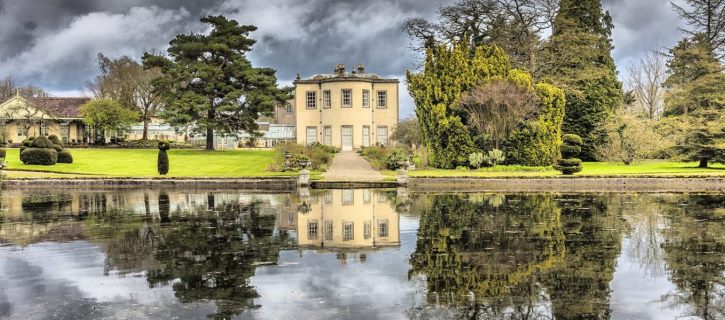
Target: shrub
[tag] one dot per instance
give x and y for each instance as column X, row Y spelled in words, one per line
column 42, row 142
column 571, row 148
column 28, row 142
column 162, row 163
column 57, row 148
column 494, row 157
column 395, row 158
column 65, row 157
column 40, row 156
column 3, row 152
column 319, row 156
column 54, row 139
column 476, row 159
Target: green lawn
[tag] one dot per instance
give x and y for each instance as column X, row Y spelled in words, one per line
column 647, row 168
column 142, row 163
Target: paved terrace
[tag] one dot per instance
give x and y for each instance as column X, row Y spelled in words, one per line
column 350, row 166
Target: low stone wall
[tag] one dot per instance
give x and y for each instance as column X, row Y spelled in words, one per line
column 578, row 184
column 267, row 184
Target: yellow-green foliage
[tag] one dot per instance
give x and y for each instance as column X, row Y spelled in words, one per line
column 520, row 78
column 537, row 143
column 448, row 73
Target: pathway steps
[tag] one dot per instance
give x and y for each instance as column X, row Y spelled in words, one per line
column 350, row 166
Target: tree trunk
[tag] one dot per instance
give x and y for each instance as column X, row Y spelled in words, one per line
column 209, row 130
column 703, row 163
column 145, row 129
column 209, row 139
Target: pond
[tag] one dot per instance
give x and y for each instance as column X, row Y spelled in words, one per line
column 360, row 254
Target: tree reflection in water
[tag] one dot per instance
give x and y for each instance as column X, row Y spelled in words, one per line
column 207, row 254
column 694, row 260
column 484, row 254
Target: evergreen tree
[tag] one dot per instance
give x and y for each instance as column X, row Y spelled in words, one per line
column 579, row 60
column 696, row 101
column 448, row 73
column 208, row 82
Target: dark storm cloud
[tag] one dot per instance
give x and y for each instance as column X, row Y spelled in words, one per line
column 53, row 44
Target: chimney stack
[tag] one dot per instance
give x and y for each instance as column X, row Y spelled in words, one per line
column 340, row 69
column 361, row 68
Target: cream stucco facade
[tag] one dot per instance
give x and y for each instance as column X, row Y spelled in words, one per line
column 339, row 219
column 346, row 110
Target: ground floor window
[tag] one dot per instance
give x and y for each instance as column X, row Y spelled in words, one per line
column 311, row 135
column 382, row 135
column 366, row 136
column 327, row 136
column 383, row 228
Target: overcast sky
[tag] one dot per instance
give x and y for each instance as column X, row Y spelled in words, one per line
column 53, row 43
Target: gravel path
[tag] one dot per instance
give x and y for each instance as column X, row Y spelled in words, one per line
column 350, row 166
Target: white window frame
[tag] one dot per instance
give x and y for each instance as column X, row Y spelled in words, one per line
column 348, row 231
column 326, row 99
column 327, row 135
column 366, row 136
column 378, row 136
column 382, row 99
column 383, row 228
column 328, row 230
column 312, row 230
column 346, row 98
column 367, row 229
column 307, row 135
column 366, row 98
column 311, row 101
column 348, row 197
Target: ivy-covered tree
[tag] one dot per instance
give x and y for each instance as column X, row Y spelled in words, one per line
column 209, row 84
column 455, row 102
column 447, row 74
column 579, row 60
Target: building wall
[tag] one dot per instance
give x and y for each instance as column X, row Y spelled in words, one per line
column 74, row 130
column 356, row 208
column 336, row 116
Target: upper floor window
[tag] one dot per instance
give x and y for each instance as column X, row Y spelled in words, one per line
column 326, row 99
column 366, row 99
column 312, row 230
column 289, row 108
column 311, row 100
column 346, row 98
column 382, row 99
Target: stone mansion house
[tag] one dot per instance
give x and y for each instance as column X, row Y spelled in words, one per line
column 346, row 110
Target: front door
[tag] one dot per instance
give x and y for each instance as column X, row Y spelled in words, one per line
column 346, row 138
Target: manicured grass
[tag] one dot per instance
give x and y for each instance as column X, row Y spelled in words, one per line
column 142, row 163
column 646, row 168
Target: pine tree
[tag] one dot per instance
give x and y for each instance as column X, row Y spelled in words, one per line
column 696, row 101
column 209, row 83
column 579, row 60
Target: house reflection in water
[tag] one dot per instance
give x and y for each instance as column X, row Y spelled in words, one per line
column 345, row 220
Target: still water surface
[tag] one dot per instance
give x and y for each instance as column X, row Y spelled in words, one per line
column 360, row 254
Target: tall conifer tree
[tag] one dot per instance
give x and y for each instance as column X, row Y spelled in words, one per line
column 580, row 61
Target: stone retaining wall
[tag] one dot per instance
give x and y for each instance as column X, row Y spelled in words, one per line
column 622, row 184
column 268, row 184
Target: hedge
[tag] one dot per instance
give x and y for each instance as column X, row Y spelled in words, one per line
column 39, row 156
column 65, row 157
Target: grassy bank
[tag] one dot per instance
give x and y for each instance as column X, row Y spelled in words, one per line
column 595, row 169
column 142, row 163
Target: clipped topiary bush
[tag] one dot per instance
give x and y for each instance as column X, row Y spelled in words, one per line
column 54, row 139
column 3, row 152
column 42, row 142
column 569, row 164
column 162, row 163
column 39, row 156
column 65, row 157
column 57, row 148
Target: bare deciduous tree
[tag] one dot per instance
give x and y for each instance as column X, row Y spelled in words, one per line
column 646, row 80
column 706, row 17
column 9, row 87
column 497, row 108
column 126, row 81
